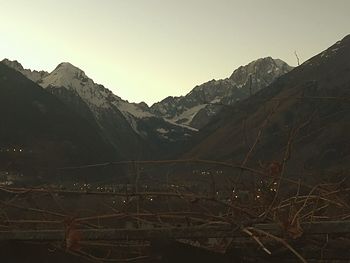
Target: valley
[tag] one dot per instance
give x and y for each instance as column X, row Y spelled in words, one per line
column 233, row 170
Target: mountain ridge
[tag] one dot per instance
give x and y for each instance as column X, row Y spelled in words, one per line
column 141, row 109
column 48, row 133
column 139, row 130
column 310, row 101
column 231, row 130
column 122, row 123
column 204, row 101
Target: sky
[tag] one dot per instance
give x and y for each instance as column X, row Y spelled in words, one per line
column 146, row 50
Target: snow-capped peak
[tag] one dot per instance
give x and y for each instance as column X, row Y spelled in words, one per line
column 94, row 95
column 203, row 102
column 66, row 75
column 68, row 67
column 71, row 77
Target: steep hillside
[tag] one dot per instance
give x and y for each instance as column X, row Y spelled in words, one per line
column 130, row 128
column 164, row 130
column 40, row 127
column 308, row 107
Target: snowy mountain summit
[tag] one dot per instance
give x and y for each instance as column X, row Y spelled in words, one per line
column 193, row 111
column 73, row 79
column 199, row 106
column 125, row 125
column 172, row 121
column 65, row 75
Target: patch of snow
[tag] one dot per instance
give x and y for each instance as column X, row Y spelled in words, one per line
column 132, row 109
column 162, row 130
column 132, row 122
column 94, row 95
column 181, row 125
column 335, row 49
column 72, row 78
column 189, row 113
column 280, row 63
column 216, row 100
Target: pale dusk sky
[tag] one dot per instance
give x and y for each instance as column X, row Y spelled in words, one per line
column 146, row 50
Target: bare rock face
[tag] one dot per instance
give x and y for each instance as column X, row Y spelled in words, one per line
column 198, row 107
column 33, row 75
column 129, row 127
column 139, row 131
column 311, row 100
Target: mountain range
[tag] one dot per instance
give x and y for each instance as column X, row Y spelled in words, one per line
column 37, row 129
column 198, row 107
column 163, row 130
column 301, row 121
column 130, row 128
column 262, row 109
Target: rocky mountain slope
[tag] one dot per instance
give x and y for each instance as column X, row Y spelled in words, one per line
column 163, row 129
column 34, row 75
column 302, row 117
column 131, row 128
column 40, row 131
column 205, row 101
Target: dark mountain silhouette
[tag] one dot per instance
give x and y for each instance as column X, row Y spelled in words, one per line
column 130, row 128
column 38, row 126
column 308, row 107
